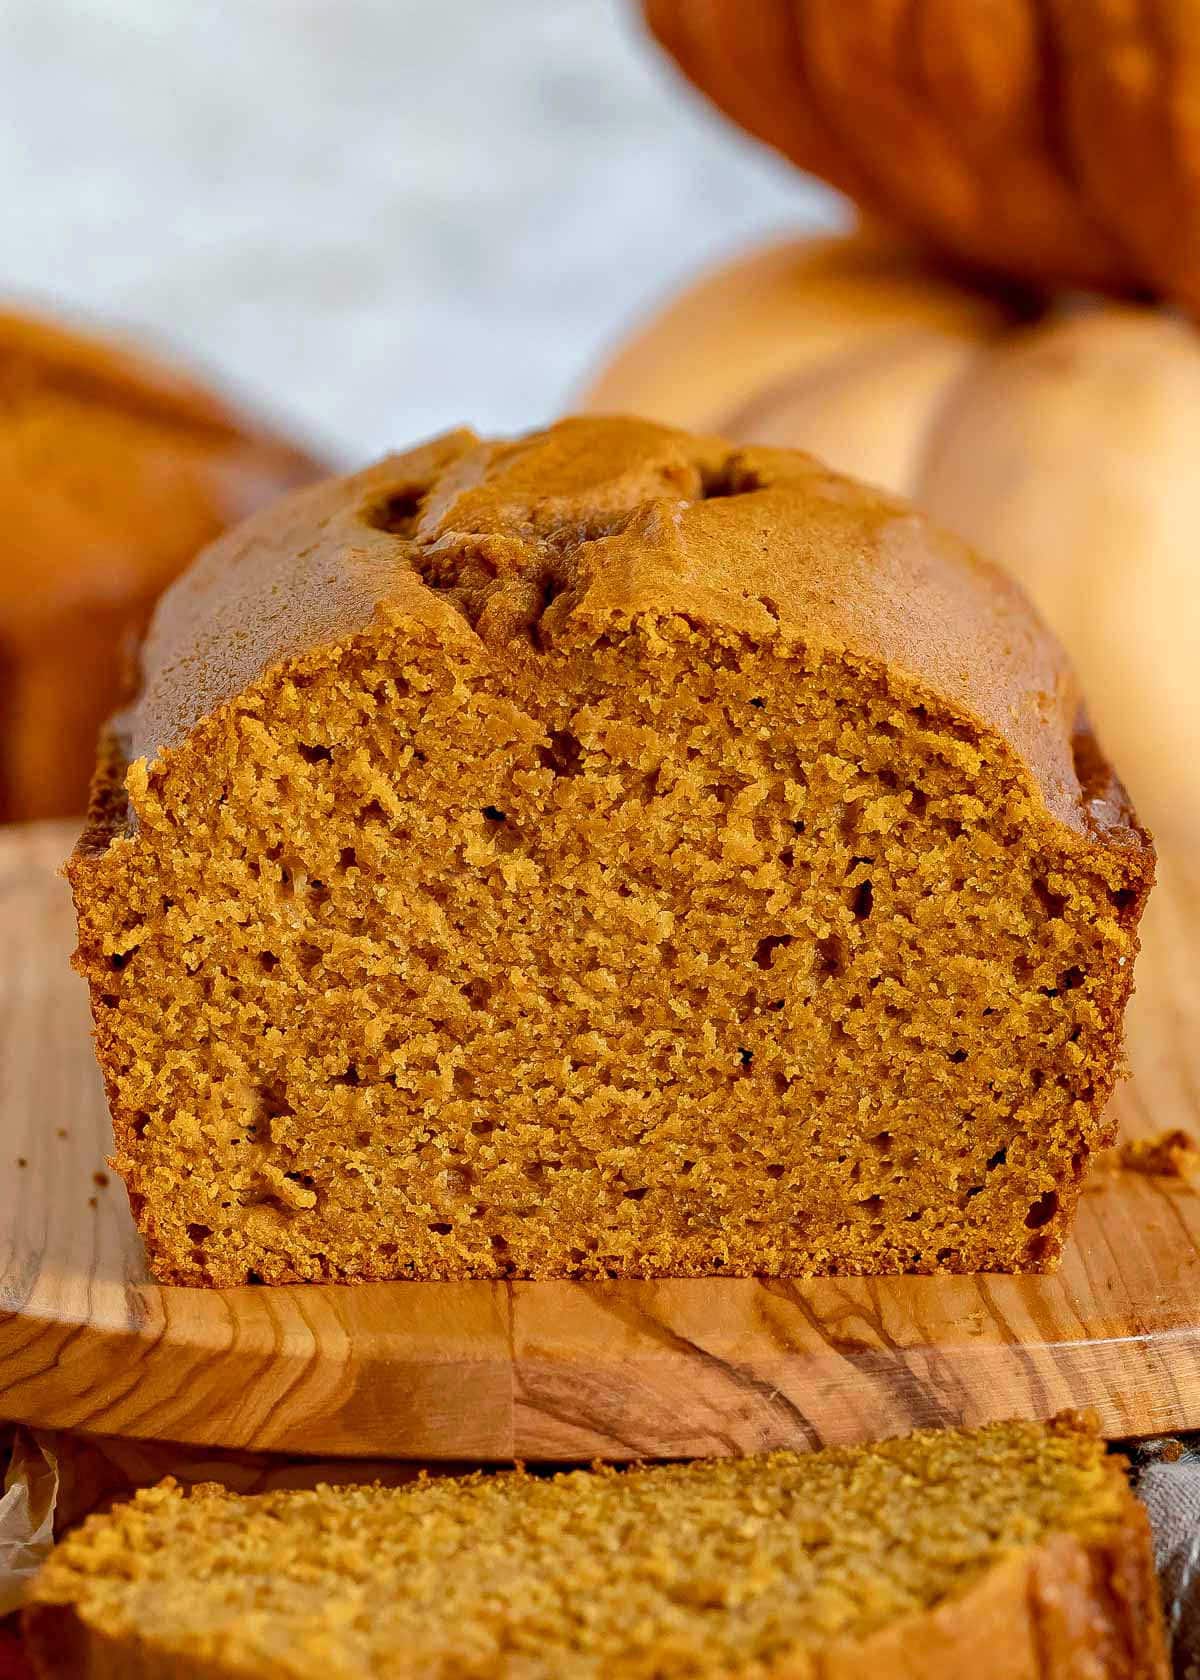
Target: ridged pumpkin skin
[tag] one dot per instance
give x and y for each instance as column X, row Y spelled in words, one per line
column 1060, row 443
column 1053, row 141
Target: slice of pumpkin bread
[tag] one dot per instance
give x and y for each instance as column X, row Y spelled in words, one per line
column 603, row 854
column 1014, row 1551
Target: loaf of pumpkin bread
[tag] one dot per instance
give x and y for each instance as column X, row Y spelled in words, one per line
column 1013, row 1551
column 607, row 853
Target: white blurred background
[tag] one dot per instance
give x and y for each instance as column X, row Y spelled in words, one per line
column 372, row 218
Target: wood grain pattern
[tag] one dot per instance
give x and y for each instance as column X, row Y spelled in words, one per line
column 567, row 1371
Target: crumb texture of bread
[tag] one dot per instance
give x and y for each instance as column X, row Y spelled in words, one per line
column 603, row 854
column 1015, row 1552
column 114, row 472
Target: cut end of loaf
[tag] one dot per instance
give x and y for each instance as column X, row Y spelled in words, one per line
column 538, row 927
column 692, row 961
column 758, row 1567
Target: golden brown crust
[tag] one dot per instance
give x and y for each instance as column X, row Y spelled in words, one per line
column 114, row 471
column 61, row 1646
column 791, row 553
column 1055, row 1615
column 1058, row 1612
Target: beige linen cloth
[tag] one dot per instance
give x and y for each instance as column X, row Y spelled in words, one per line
column 1167, row 1475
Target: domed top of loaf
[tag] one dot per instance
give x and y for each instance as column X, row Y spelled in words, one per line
column 518, row 548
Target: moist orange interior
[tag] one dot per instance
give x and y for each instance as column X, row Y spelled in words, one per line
column 663, row 955
column 720, row 1568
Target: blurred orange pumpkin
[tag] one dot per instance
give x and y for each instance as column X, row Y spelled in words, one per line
column 1060, row 439
column 1057, row 141
column 114, row 470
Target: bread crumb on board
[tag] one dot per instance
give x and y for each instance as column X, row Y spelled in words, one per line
column 1172, row 1153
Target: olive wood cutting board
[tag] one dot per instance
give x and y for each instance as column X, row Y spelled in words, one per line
column 566, row 1371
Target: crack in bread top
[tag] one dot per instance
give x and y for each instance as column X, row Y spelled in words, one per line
column 504, row 547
